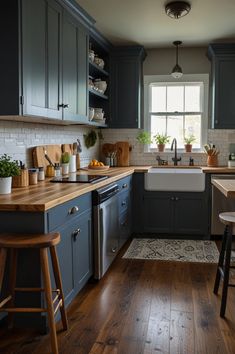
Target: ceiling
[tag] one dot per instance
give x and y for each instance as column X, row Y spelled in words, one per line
column 144, row 22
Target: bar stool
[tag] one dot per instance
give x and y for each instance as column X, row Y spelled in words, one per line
column 224, row 266
column 13, row 242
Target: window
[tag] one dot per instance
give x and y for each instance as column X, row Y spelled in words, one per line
column 177, row 108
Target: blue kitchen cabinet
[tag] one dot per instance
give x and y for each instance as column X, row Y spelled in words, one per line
column 178, row 214
column 126, row 87
column 222, row 57
column 75, row 251
column 125, row 209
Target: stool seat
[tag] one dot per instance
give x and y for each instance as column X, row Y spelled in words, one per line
column 29, row 240
column 227, row 218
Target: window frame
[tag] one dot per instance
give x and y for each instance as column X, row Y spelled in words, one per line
column 186, row 78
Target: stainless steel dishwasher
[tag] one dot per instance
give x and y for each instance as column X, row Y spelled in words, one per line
column 106, row 227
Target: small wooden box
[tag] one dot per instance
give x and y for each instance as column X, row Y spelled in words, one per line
column 22, row 180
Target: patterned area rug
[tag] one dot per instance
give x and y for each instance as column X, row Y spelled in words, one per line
column 173, row 250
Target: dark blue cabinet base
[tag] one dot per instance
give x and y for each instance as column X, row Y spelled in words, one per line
column 166, row 214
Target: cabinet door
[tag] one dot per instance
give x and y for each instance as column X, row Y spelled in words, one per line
column 124, row 228
column 65, row 256
column 75, row 70
column 224, row 114
column 158, row 213
column 82, row 250
column 41, row 27
column 190, row 215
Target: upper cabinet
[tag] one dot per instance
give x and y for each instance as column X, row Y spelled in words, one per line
column 45, row 61
column 222, row 58
column 127, row 87
column 55, row 48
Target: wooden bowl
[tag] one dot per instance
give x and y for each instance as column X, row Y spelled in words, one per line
column 99, row 168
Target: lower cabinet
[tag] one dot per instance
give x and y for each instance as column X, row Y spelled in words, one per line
column 75, row 254
column 182, row 213
column 125, row 206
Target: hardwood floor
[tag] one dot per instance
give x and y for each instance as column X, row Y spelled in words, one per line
column 141, row 307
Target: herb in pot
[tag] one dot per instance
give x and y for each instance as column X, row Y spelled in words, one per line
column 8, row 168
column 144, row 138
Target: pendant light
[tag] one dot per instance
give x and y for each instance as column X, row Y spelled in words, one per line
column 177, row 71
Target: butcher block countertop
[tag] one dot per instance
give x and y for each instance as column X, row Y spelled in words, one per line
column 46, row 195
column 226, row 186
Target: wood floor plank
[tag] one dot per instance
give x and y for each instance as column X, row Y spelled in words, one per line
column 140, row 307
column 182, row 333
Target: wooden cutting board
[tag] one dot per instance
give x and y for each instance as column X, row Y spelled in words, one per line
column 123, row 151
column 53, row 151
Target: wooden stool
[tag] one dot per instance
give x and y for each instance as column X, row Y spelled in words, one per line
column 223, row 267
column 15, row 241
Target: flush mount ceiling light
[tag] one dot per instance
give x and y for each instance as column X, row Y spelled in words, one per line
column 177, row 9
column 177, row 71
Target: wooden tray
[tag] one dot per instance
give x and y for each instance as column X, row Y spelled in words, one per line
column 99, row 168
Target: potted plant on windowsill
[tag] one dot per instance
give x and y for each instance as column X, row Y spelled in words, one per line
column 8, row 169
column 161, row 140
column 188, row 142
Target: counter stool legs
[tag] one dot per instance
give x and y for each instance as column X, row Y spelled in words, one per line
column 221, row 261
column 48, row 296
column 12, row 284
column 226, row 272
column 224, row 267
column 58, row 281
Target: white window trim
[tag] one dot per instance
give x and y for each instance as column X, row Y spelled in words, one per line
column 148, row 79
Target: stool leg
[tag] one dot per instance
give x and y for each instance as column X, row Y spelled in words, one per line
column 3, row 257
column 226, row 271
column 48, row 296
column 58, row 281
column 221, row 261
column 12, row 283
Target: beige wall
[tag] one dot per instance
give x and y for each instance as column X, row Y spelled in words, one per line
column 161, row 61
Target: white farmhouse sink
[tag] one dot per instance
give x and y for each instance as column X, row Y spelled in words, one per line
column 175, row 179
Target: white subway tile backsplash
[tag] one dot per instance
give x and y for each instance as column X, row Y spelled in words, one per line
column 16, row 139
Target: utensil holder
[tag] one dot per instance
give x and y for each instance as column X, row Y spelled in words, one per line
column 212, row 160
column 22, row 180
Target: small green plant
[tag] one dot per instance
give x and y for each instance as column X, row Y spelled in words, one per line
column 90, row 138
column 65, row 157
column 190, row 139
column 161, row 139
column 8, row 168
column 144, row 138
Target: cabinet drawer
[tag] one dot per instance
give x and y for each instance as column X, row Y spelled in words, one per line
column 124, row 201
column 67, row 211
column 125, row 183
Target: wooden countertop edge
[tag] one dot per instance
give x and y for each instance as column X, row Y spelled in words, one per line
column 227, row 187
column 65, row 196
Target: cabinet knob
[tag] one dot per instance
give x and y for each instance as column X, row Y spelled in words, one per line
column 76, row 233
column 66, row 105
column 123, row 202
column 176, row 198
column 172, row 198
column 114, row 249
column 74, row 210
column 125, row 185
